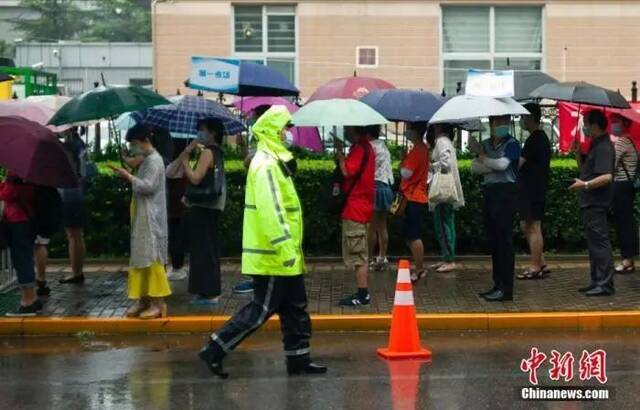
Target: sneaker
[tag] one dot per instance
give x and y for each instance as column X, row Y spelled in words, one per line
column 178, row 274
column 355, row 300
column 26, row 311
column 244, row 286
column 203, row 301
column 383, row 263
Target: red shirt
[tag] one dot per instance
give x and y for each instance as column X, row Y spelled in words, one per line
column 19, row 201
column 414, row 188
column 359, row 206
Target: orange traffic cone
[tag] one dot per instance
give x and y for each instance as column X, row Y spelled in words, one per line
column 404, row 339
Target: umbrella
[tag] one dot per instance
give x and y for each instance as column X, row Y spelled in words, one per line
column 349, row 87
column 467, row 107
column 33, row 153
column 258, row 80
column 183, row 115
column 55, row 102
column 31, row 111
column 337, row 112
column 305, row 137
column 404, row 105
column 581, row 93
column 106, row 102
column 248, row 104
column 5, row 77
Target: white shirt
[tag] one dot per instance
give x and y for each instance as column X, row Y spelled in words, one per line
column 384, row 172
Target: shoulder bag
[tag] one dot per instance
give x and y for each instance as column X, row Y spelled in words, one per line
column 210, row 188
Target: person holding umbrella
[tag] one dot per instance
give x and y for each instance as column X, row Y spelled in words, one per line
column 498, row 163
column 272, row 254
column 596, row 189
column 148, row 283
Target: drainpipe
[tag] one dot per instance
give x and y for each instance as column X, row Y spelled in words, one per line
column 634, row 91
column 154, row 68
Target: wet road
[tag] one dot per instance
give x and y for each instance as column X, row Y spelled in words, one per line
column 468, row 371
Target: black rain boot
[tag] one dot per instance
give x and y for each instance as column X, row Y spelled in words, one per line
column 214, row 362
column 303, row 365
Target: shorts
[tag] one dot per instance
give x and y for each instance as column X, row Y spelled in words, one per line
column 384, row 197
column 530, row 210
column 355, row 249
column 414, row 214
column 42, row 240
column 74, row 214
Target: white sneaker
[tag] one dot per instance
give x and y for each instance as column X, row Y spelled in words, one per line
column 179, row 274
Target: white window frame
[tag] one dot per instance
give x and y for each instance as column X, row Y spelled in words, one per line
column 266, row 54
column 492, row 54
column 374, row 65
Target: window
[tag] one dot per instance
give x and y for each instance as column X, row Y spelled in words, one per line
column 141, row 82
column 267, row 34
column 493, row 38
column 366, row 56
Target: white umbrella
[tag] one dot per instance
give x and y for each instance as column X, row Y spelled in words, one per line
column 467, row 107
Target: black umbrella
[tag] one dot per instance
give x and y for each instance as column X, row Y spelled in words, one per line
column 524, row 82
column 581, row 93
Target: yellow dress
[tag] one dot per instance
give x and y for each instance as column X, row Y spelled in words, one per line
column 150, row 281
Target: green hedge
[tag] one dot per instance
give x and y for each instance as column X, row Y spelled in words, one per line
column 108, row 200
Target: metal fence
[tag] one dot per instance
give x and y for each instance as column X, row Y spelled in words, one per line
column 7, row 273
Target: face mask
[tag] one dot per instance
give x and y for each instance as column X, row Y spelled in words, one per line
column 502, row 131
column 202, row 137
column 616, row 129
column 288, row 138
column 585, row 131
column 136, row 150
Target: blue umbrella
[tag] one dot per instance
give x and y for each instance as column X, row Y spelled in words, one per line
column 258, row 80
column 183, row 115
column 404, row 105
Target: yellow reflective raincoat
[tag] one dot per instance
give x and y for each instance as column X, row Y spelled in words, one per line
column 272, row 230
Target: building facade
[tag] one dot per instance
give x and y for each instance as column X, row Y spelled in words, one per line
column 80, row 65
column 426, row 44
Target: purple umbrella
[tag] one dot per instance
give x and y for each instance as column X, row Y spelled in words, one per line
column 33, row 153
column 305, row 137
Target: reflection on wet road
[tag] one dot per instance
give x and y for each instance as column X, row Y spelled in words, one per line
column 468, row 371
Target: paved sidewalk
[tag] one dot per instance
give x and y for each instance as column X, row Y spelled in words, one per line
column 104, row 292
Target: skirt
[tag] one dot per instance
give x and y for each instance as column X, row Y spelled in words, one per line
column 150, row 281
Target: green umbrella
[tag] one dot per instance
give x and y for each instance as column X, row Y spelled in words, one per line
column 106, row 102
column 338, row 113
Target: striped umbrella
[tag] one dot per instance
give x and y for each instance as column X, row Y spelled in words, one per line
column 183, row 115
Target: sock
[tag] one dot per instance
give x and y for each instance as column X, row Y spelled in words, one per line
column 363, row 292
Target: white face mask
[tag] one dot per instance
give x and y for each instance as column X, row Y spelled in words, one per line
column 288, row 138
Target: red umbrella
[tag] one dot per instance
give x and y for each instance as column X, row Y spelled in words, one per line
column 32, row 152
column 349, row 87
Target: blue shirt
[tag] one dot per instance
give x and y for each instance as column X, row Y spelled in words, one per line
column 509, row 148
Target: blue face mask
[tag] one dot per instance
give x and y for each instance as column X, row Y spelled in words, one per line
column 202, row 137
column 585, row 131
column 502, row 131
column 136, row 150
column 616, row 129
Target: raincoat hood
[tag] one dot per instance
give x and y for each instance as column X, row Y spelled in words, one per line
column 267, row 131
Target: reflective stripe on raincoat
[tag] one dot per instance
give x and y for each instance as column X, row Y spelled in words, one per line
column 272, row 230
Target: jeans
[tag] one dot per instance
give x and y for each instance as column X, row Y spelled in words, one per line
column 20, row 238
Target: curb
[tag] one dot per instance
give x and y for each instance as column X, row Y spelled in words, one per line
column 575, row 321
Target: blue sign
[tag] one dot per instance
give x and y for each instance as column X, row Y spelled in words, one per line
column 215, row 74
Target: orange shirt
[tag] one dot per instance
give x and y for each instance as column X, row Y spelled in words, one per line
column 414, row 188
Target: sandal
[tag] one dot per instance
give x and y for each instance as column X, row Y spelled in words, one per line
column 530, row 274
column 446, row 268
column 416, row 277
column 622, row 268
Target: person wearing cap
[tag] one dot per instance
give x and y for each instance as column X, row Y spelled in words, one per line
column 498, row 163
column 271, row 254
